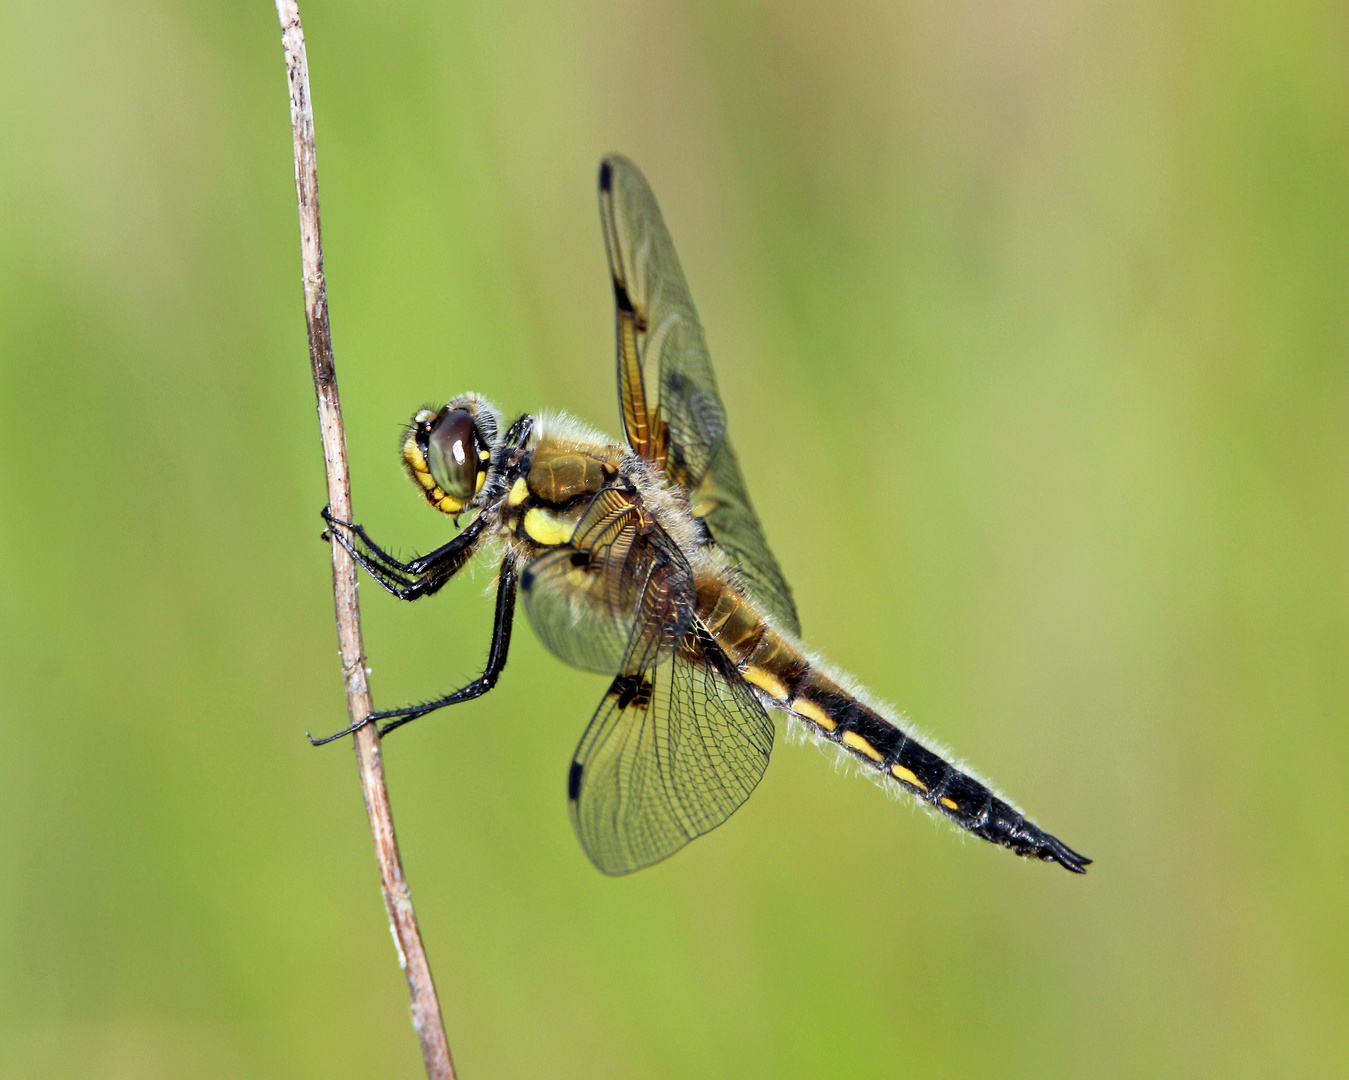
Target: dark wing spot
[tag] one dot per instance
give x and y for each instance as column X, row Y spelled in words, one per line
column 574, row 781
column 631, row 690
column 580, row 558
column 622, row 299
column 624, row 303
column 606, row 175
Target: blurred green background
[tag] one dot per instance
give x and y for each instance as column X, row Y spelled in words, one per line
column 1031, row 323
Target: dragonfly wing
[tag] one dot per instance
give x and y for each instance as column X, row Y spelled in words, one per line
column 678, row 743
column 583, row 598
column 722, row 501
column 672, row 410
column 667, row 393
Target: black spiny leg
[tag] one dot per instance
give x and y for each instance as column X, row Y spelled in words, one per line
column 415, row 578
column 496, row 661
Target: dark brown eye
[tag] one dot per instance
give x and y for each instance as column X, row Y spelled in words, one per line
column 452, row 453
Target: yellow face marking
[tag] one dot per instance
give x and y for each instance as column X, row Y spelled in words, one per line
column 908, row 776
column 860, row 744
column 446, row 504
column 546, row 528
column 413, row 456
column 770, row 684
column 807, row 708
column 482, row 475
column 950, row 804
column 519, row 493
column 483, row 455
column 435, row 495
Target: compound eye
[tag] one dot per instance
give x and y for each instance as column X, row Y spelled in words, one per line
column 452, row 453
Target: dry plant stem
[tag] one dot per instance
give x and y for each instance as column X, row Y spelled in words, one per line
column 402, row 918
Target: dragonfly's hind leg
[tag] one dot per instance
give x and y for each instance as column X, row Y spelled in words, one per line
column 496, row 661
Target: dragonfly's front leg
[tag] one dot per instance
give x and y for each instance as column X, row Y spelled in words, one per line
column 409, row 580
column 496, row 661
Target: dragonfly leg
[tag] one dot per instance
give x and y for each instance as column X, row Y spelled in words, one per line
column 496, row 661
column 411, row 580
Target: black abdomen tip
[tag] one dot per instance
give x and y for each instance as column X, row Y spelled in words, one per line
column 1052, row 849
column 1003, row 824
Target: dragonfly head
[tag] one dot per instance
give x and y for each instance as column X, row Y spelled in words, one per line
column 448, row 451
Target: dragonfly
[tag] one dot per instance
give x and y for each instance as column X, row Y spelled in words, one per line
column 644, row 560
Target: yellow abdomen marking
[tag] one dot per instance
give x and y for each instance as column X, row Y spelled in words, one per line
column 769, row 683
column 862, row 746
column 547, row 528
column 807, row 708
column 908, row 776
column 950, row 804
column 519, row 493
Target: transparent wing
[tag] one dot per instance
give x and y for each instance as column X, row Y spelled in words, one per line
column 566, row 608
column 677, row 744
column 722, row 501
column 584, row 598
column 667, row 392
column 679, row 741
column 672, row 411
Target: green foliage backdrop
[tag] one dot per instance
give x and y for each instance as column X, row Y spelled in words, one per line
column 1031, row 320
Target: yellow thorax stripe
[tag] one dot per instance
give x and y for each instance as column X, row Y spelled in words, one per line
column 547, row 528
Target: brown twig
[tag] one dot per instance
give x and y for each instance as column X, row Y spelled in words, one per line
column 397, row 900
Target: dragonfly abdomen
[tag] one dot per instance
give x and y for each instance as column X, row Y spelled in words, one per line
column 882, row 745
column 776, row 667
